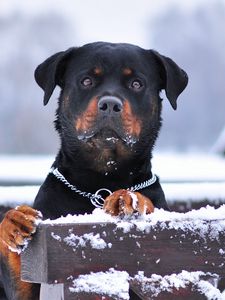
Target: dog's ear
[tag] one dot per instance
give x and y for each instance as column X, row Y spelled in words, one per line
column 174, row 79
column 50, row 72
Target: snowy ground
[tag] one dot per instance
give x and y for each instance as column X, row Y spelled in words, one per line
column 183, row 176
column 24, row 168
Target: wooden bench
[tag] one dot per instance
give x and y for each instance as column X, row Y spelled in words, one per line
column 59, row 253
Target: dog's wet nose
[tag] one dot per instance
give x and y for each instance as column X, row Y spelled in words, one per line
column 110, row 105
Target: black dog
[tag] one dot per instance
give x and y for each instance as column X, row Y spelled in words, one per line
column 108, row 119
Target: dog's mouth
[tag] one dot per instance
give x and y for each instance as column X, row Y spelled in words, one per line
column 107, row 136
column 107, row 148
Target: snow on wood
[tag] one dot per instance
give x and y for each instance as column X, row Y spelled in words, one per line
column 94, row 239
column 193, row 221
column 116, row 284
column 205, row 283
column 113, row 283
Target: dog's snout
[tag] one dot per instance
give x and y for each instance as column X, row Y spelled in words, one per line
column 110, row 105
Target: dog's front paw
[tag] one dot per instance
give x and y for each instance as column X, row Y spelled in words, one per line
column 18, row 226
column 124, row 202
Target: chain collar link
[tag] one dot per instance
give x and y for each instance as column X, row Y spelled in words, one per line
column 96, row 199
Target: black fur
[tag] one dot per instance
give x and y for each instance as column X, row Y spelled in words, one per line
column 84, row 166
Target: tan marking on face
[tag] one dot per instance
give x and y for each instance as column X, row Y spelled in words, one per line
column 127, row 71
column 131, row 123
column 88, row 117
column 98, row 71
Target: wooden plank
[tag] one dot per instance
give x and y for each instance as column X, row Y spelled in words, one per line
column 35, row 258
column 161, row 250
column 61, row 292
column 52, row 291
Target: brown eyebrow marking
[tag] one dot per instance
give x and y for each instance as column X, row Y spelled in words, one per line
column 98, row 71
column 127, row 71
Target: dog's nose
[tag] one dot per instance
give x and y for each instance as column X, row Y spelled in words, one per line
column 110, row 105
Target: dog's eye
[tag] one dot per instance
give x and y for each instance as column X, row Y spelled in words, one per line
column 87, row 82
column 136, row 85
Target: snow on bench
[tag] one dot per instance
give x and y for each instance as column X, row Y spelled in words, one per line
column 165, row 255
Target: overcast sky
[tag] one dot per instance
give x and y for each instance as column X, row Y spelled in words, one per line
column 114, row 21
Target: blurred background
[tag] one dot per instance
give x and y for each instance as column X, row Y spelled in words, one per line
column 189, row 154
column 191, row 32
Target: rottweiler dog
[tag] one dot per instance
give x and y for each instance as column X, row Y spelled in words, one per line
column 108, row 119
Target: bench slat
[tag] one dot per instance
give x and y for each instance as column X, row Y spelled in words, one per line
column 161, row 251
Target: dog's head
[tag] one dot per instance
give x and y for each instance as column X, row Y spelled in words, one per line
column 109, row 104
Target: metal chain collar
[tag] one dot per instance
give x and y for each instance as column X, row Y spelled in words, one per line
column 96, row 199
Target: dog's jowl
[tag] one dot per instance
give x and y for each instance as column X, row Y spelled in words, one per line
column 108, row 119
